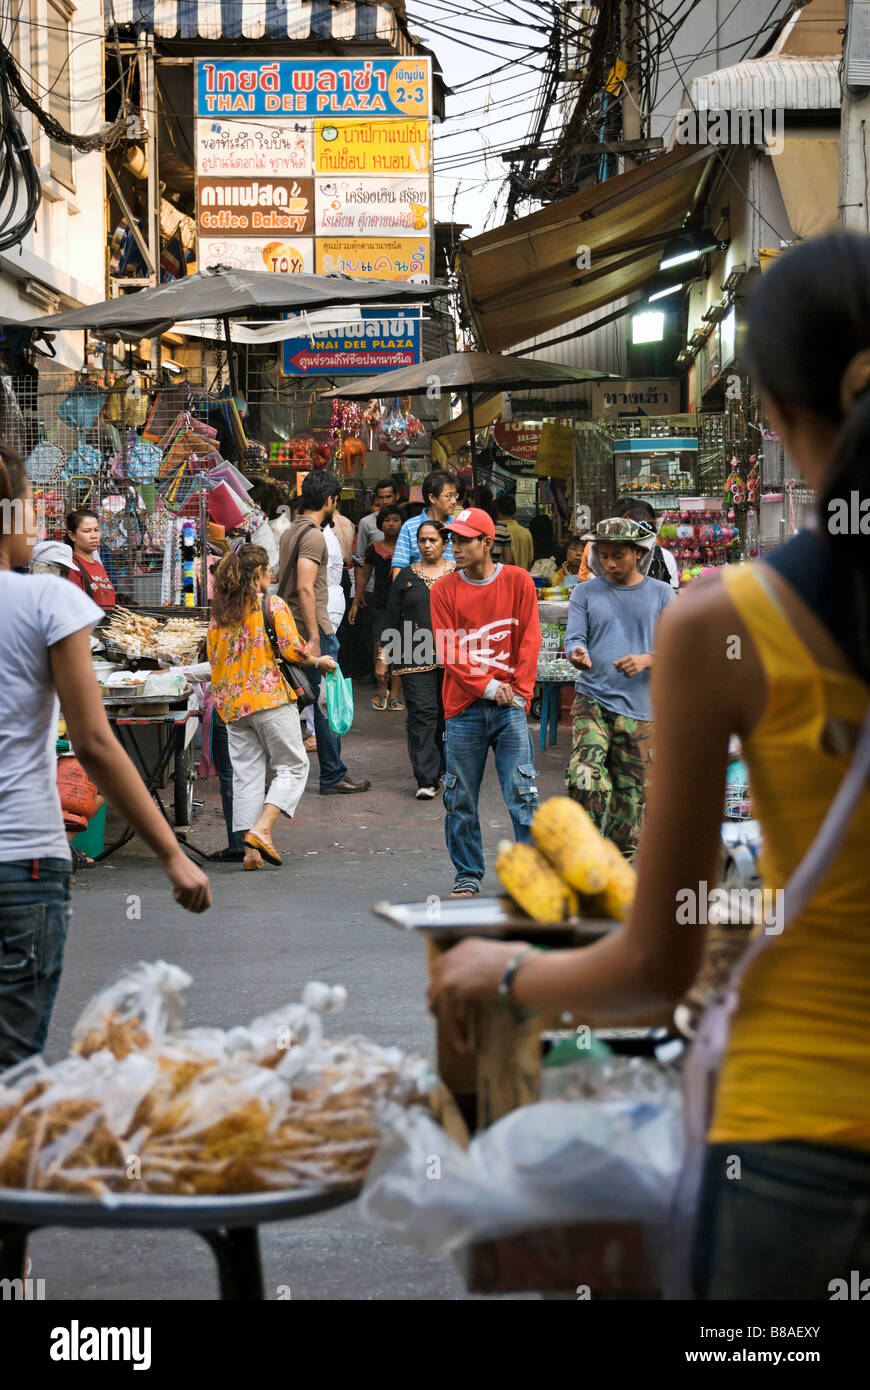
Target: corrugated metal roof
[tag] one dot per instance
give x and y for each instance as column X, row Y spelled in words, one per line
column 260, row 19
column 790, row 84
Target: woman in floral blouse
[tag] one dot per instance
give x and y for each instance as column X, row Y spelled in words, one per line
column 255, row 701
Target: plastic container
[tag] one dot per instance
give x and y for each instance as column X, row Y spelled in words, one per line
column 93, row 840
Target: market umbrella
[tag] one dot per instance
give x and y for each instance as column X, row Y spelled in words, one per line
column 224, row 293
column 468, row 372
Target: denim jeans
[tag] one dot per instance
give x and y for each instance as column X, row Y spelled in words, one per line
column 332, row 769
column 220, row 751
column 468, row 739
column 34, row 918
column 785, row 1223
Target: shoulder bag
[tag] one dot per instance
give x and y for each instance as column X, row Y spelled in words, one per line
column 296, row 676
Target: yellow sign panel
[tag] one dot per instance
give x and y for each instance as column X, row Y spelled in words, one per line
column 374, row 258
column 371, row 147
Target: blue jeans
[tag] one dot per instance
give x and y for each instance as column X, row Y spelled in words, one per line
column 467, row 740
column 332, row 769
column 34, row 918
column 793, row 1218
column 220, row 751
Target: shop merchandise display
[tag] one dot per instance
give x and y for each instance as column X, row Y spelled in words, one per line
column 698, row 540
column 270, row 1106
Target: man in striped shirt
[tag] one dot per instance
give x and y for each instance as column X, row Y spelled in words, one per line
column 440, row 495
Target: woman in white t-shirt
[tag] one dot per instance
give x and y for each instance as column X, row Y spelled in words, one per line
column 45, row 627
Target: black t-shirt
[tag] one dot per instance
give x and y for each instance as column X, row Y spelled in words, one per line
column 381, row 562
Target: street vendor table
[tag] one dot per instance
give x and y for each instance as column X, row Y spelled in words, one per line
column 172, row 727
column 228, row 1224
column 551, row 702
column 500, row 1072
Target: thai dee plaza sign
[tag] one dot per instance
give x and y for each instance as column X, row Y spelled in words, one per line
column 383, row 340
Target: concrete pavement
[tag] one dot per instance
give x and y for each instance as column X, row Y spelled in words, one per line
column 264, row 937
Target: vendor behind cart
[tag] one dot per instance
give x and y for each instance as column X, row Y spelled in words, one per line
column 45, row 627
column 88, row 573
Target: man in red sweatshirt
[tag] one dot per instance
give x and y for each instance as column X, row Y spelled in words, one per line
column 487, row 638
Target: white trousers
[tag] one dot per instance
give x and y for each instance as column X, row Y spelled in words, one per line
column 269, row 736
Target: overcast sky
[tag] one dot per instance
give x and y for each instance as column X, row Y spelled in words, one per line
column 487, row 112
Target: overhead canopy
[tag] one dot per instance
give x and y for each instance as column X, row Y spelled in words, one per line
column 228, row 294
column 522, row 279
column 260, row 19
column 468, row 372
column 808, row 172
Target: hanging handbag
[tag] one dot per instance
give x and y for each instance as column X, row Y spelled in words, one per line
column 81, row 408
column 138, row 460
column 296, row 676
column 44, row 462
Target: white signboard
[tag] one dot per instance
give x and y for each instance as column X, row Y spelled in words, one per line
column 366, row 207
column 277, row 148
column 287, row 254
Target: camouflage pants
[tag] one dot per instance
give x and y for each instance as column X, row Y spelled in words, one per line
column 609, row 769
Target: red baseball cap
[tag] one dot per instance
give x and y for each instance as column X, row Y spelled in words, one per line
column 472, row 521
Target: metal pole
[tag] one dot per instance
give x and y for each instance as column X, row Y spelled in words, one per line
column 473, row 443
column 231, row 361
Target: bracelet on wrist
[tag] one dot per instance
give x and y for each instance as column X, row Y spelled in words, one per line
column 505, row 989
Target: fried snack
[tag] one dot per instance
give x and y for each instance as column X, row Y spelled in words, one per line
column 66, row 1146
column 118, row 1036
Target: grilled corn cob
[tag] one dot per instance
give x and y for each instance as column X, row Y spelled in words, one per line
column 566, row 835
column 618, row 894
column 533, row 884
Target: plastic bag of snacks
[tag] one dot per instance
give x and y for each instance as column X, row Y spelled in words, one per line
column 141, row 1006
column 145, row 1107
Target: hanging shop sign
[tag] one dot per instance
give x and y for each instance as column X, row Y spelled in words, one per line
column 370, row 258
column 279, row 149
column 288, row 256
column 371, row 147
column 383, row 340
column 371, row 87
column 517, row 440
column 641, row 396
column 371, row 206
column 251, row 207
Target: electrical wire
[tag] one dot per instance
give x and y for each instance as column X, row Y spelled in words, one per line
column 19, row 176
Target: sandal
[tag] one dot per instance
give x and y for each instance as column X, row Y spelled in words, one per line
column 380, row 701
column 396, row 705
column 466, row 888
column 268, row 851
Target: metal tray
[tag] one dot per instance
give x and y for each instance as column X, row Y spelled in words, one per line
column 192, row 1213
column 445, row 918
column 114, row 700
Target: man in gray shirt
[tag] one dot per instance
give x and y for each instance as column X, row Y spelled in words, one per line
column 609, row 639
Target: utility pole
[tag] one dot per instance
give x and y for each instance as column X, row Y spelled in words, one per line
column 629, row 53
column 855, row 121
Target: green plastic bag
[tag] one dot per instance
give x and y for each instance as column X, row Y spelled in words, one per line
column 339, row 702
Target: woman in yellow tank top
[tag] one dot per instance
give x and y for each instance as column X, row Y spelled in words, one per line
column 778, row 652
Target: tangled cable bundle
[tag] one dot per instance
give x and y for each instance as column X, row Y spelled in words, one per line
column 19, row 177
